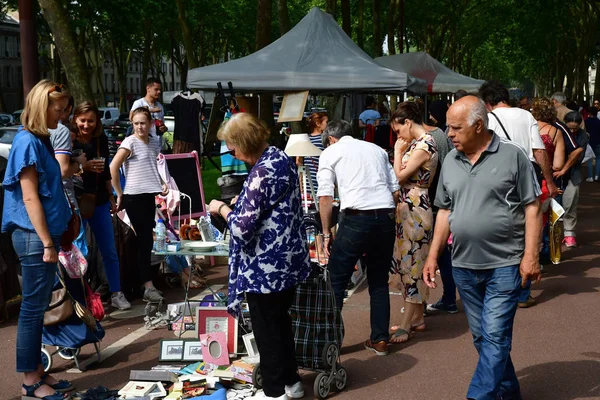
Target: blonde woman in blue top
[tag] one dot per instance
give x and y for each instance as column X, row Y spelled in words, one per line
column 36, row 212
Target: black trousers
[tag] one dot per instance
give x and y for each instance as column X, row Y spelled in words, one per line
column 272, row 327
column 141, row 209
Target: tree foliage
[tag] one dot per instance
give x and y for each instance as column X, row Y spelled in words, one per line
column 521, row 42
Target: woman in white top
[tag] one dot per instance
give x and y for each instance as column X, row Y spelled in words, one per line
column 137, row 155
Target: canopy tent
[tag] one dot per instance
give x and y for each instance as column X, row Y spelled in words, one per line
column 440, row 79
column 315, row 55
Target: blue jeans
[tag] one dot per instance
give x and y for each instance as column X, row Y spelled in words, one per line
column 102, row 228
column 38, row 280
column 445, row 266
column 590, row 164
column 490, row 299
column 373, row 235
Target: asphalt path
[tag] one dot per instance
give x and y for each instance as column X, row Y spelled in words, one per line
column 556, row 344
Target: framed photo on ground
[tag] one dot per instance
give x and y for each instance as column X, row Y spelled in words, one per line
column 217, row 319
column 192, row 350
column 250, row 344
column 171, row 350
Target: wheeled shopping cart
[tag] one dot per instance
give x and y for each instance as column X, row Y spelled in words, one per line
column 71, row 335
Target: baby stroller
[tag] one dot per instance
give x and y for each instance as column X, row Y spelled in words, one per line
column 317, row 323
column 71, row 335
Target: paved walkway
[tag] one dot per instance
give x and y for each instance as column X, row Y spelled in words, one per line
column 556, row 347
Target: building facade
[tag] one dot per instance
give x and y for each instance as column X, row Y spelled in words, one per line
column 11, row 72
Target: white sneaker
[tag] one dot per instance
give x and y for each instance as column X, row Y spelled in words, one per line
column 119, row 301
column 296, row 391
column 152, row 295
column 260, row 395
column 596, row 178
column 590, row 179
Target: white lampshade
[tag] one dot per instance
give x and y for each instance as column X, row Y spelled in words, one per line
column 300, row 145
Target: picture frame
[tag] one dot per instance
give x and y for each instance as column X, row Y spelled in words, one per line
column 292, row 107
column 192, row 350
column 171, row 350
column 217, row 319
column 250, row 344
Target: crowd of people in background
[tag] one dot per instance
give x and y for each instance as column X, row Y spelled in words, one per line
column 407, row 211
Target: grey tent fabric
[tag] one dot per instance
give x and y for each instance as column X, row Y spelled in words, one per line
column 440, row 79
column 315, row 55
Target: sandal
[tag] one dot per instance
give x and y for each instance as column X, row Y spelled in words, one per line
column 419, row 327
column 195, row 283
column 398, row 334
column 30, row 393
column 62, row 386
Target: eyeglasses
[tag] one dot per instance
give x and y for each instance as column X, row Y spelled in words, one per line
column 57, row 88
column 231, row 151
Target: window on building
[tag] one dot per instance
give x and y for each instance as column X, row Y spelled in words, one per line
column 106, row 82
column 132, row 90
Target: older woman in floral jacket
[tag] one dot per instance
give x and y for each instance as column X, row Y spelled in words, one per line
column 268, row 251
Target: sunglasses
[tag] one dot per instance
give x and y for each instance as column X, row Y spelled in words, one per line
column 57, row 88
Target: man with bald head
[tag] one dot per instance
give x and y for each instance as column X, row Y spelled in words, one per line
column 488, row 199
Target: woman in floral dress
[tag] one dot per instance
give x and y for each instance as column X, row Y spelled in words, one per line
column 415, row 163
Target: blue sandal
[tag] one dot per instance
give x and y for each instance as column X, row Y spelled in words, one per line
column 61, row 386
column 30, row 393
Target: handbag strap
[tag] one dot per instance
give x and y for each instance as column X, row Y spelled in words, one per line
column 501, row 126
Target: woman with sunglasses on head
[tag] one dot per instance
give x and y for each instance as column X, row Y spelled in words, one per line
column 415, row 164
column 97, row 202
column 36, row 212
column 137, row 155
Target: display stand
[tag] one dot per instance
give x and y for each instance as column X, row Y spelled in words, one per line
column 218, row 252
column 306, row 175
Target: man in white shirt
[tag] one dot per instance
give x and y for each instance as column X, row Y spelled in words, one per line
column 153, row 90
column 368, row 191
column 518, row 126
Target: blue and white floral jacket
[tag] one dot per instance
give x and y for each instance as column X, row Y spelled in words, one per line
column 268, row 252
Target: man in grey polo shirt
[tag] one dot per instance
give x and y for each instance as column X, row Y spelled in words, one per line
column 488, row 199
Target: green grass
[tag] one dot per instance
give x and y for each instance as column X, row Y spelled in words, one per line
column 209, row 180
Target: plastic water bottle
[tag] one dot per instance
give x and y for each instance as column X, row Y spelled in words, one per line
column 160, row 241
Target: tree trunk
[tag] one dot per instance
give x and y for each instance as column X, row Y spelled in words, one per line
column 146, row 55
column 401, row 26
column 360, row 29
column 98, row 71
column 346, row 17
column 263, row 38
column 56, row 65
column 284, row 17
column 121, row 64
column 188, row 40
column 73, row 60
column 331, row 8
column 377, row 42
column 391, row 24
column 597, row 80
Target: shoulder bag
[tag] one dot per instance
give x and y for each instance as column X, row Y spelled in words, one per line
column 61, row 306
column 536, row 168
